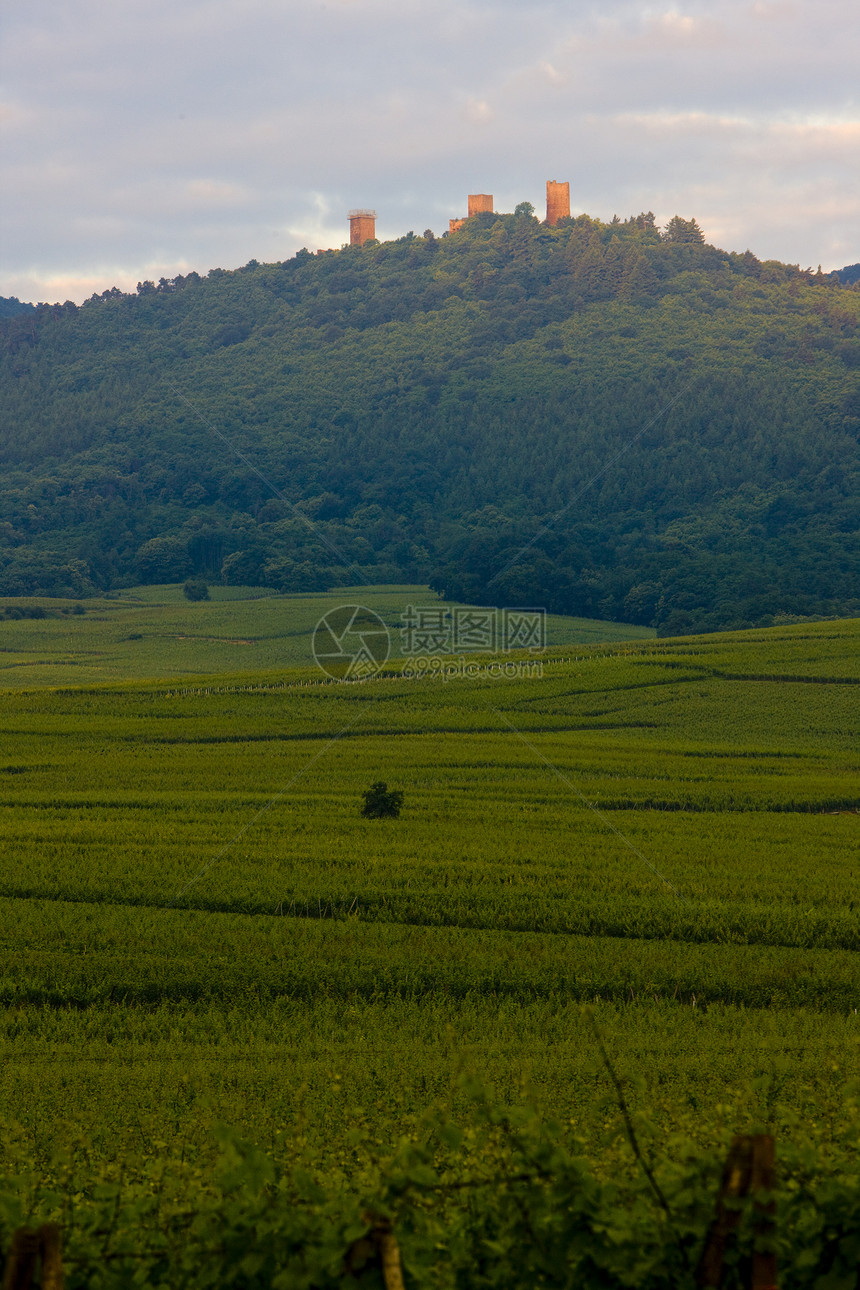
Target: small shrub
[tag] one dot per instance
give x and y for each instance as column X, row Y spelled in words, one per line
column 196, row 589
column 381, row 803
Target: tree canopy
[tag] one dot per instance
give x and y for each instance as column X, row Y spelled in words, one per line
column 11, row 307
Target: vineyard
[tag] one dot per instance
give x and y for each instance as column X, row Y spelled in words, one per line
column 238, row 1017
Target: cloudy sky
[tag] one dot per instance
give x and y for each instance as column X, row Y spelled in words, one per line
column 142, row 138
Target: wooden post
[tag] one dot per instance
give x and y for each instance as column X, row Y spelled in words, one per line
column 51, row 1245
column 21, row 1260
column 389, row 1254
column 734, row 1186
column 380, row 1242
column 749, row 1171
column 764, row 1209
column 392, row 1271
column 24, row 1253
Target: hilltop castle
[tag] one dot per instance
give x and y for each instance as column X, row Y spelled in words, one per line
column 362, row 223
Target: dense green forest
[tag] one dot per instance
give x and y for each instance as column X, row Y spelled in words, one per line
column 10, row 306
column 599, row 418
column 849, row 275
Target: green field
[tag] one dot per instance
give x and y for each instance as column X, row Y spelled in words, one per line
column 198, row 926
column 153, row 632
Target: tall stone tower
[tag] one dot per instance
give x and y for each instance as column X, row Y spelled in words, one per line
column 362, row 227
column 557, row 201
column 479, row 203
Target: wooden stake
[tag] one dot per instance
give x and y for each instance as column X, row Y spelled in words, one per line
column 21, row 1261
column 762, row 1180
column 734, row 1186
column 749, row 1170
column 24, row 1253
column 387, row 1249
column 51, row 1243
column 389, row 1253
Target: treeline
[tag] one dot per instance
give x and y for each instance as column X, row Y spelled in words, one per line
column 599, row 417
column 11, row 306
column 849, row 275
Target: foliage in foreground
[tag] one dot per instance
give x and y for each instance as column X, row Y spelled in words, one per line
column 508, row 1201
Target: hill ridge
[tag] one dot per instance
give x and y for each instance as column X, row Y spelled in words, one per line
column 429, row 405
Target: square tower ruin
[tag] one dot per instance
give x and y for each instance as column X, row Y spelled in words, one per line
column 362, row 227
column 479, row 203
column 557, row 201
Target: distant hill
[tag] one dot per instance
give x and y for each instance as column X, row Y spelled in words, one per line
column 593, row 417
column 849, row 275
column 10, row 306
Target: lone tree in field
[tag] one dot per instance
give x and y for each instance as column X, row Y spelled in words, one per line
column 195, row 589
column 379, row 803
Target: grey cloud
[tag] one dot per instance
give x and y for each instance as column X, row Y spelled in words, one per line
column 150, row 137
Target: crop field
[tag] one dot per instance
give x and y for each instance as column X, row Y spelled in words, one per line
column 200, row 928
column 150, row 632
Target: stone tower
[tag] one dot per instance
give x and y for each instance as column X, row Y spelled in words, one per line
column 362, row 227
column 557, row 201
column 479, row 203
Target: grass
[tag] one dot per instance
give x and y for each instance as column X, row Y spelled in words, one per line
column 149, row 632
column 199, row 926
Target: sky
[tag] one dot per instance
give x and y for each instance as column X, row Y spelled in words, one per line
column 146, row 138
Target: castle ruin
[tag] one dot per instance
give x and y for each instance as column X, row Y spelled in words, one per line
column 362, row 227
column 362, row 224
column 557, row 201
column 480, row 204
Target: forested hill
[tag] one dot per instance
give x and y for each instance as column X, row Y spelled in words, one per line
column 672, row 431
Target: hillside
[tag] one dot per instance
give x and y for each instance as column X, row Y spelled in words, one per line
column 673, row 429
